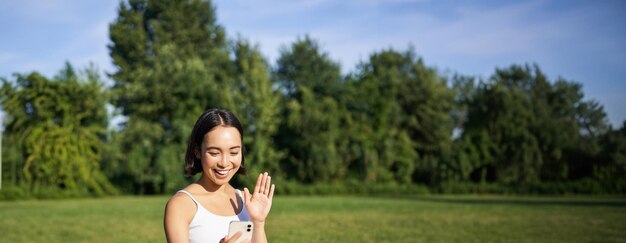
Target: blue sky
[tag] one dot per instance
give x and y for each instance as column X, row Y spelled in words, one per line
column 581, row 41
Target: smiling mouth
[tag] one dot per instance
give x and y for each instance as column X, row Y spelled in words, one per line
column 222, row 172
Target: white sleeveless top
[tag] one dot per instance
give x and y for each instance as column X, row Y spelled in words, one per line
column 208, row 227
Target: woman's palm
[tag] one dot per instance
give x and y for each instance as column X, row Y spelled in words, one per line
column 260, row 202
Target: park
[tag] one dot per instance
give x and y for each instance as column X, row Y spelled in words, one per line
column 394, row 147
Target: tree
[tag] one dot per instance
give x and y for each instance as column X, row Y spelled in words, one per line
column 310, row 83
column 172, row 64
column 611, row 166
column 537, row 130
column 59, row 126
column 407, row 109
column 257, row 106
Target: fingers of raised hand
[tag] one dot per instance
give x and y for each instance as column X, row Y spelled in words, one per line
column 261, row 184
column 268, row 182
column 271, row 194
column 257, row 187
column 264, row 185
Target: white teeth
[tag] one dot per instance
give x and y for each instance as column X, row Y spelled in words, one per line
column 222, row 172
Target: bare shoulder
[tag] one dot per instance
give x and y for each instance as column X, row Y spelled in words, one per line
column 179, row 212
column 179, row 199
column 180, row 205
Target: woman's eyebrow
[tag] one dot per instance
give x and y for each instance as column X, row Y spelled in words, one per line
column 214, row 147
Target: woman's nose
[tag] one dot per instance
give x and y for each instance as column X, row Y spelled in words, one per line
column 224, row 160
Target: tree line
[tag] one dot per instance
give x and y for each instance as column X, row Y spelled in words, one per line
column 392, row 120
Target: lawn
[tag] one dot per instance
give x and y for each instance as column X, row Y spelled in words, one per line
column 337, row 219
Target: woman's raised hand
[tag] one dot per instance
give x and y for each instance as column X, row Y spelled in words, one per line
column 260, row 202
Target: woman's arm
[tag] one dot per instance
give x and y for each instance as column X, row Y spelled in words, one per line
column 258, row 205
column 176, row 221
column 258, row 235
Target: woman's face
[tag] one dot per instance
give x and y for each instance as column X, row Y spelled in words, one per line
column 220, row 153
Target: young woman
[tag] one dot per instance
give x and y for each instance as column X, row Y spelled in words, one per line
column 202, row 211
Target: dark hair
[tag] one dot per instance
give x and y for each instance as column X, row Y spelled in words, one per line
column 206, row 122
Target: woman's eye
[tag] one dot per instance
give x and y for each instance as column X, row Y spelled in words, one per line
column 214, row 154
column 234, row 154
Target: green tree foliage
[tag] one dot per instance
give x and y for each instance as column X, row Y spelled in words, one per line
column 172, row 63
column 256, row 104
column 311, row 133
column 406, row 107
column 612, row 163
column 521, row 128
column 392, row 121
column 59, row 126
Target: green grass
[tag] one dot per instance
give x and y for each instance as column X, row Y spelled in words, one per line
column 336, row 219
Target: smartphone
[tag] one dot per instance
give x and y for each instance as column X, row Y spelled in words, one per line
column 245, row 227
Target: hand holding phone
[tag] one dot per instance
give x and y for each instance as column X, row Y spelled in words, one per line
column 245, row 227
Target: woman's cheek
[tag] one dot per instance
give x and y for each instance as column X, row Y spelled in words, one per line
column 211, row 160
column 238, row 160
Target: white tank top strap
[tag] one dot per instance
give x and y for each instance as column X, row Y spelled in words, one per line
column 192, row 198
column 240, row 193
